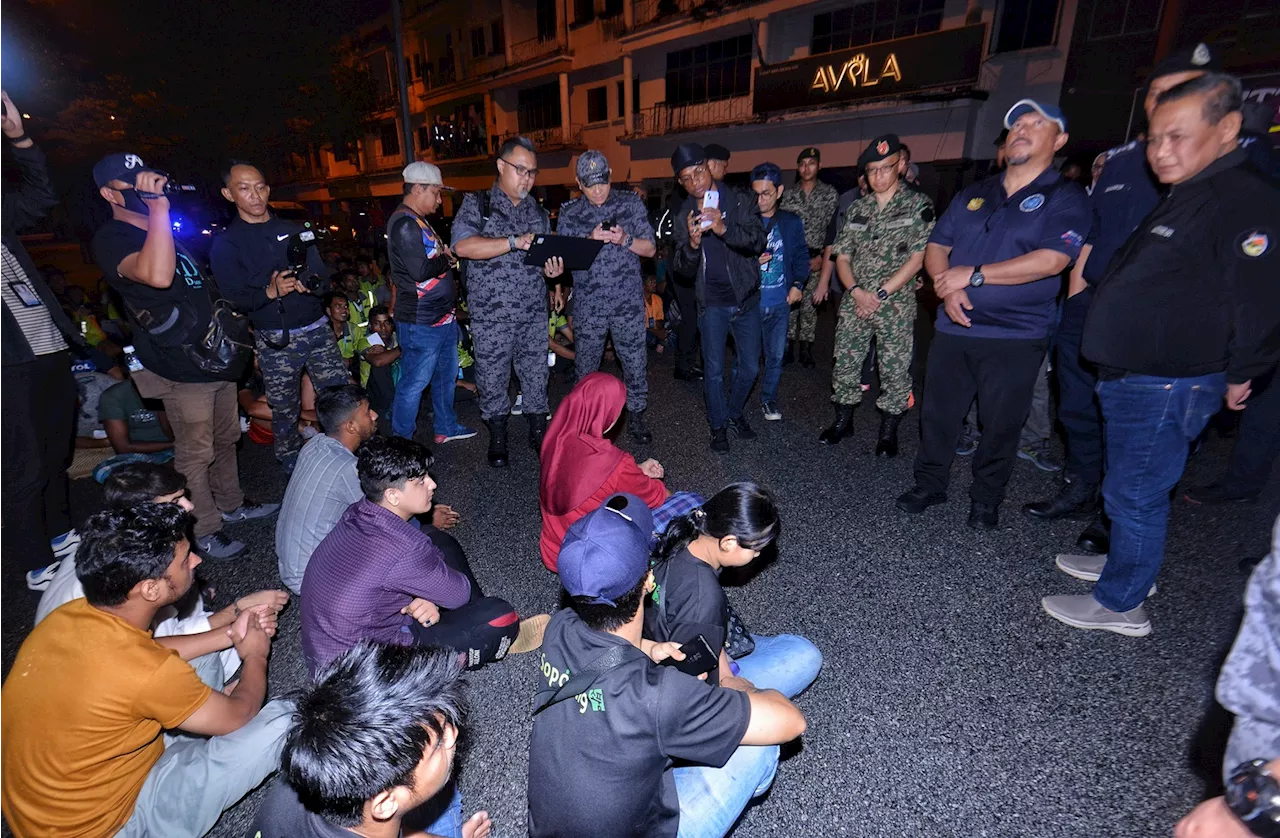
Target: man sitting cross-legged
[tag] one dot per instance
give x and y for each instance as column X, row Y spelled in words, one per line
column 325, row 483
column 600, row 762
column 378, row 576
column 135, row 483
column 91, row 693
column 382, row 769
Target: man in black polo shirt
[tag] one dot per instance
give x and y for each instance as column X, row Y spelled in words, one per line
column 1201, row 269
column 600, row 756
column 996, row 256
column 168, row 302
column 250, row 262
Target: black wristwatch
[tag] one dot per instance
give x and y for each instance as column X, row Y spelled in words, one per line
column 1254, row 796
column 977, row 279
column 882, row 294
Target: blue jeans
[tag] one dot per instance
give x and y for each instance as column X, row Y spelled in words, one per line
column 448, row 824
column 1149, row 424
column 773, row 337
column 783, row 662
column 429, row 355
column 716, row 323
column 712, row 799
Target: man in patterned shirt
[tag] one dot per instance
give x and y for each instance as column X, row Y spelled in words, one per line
column 878, row 254
column 815, row 202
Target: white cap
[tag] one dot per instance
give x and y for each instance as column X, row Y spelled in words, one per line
column 424, row 173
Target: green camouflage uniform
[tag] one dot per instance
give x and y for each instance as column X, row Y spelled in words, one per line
column 816, row 211
column 878, row 241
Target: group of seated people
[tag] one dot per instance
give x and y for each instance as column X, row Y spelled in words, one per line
column 119, row 718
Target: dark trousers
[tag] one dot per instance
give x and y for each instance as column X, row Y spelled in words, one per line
column 628, row 329
column 1077, row 402
column 687, row 331
column 1258, row 440
column 717, row 323
column 1002, row 374
column 38, row 438
column 498, row 345
column 312, row 348
column 483, row 629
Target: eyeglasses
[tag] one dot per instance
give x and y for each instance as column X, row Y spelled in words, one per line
column 698, row 171
column 521, row 171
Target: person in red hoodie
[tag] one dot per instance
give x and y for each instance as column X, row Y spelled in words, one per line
column 581, row 468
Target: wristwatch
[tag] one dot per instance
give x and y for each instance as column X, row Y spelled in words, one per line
column 511, row 242
column 1254, row 797
column 977, row 279
column 628, row 241
column 882, row 294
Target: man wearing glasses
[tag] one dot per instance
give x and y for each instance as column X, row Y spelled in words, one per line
column 507, row 299
column 719, row 242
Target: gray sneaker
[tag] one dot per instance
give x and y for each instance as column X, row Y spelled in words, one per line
column 1084, row 612
column 1040, row 457
column 250, row 510
column 1088, row 568
column 218, row 546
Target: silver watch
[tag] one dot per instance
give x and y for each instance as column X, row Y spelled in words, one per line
column 511, row 242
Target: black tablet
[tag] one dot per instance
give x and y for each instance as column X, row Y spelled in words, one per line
column 577, row 253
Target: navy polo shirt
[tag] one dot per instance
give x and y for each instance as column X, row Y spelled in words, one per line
column 983, row 226
column 1126, row 193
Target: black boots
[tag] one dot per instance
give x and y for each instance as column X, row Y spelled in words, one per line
column 837, row 431
column 1077, row 500
column 806, row 354
column 789, row 357
column 887, row 444
column 1095, row 538
column 537, row 430
column 635, row 424
column 497, row 441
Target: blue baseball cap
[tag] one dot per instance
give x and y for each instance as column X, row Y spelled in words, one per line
column 767, row 171
column 122, row 166
column 1026, row 106
column 606, row 552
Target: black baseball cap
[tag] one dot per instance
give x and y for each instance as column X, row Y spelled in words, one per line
column 686, row 155
column 717, row 152
column 122, row 166
column 1198, row 58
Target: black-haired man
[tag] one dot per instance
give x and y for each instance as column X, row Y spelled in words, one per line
column 378, row 772
column 608, row 722
column 377, row 576
column 718, row 239
column 91, row 693
column 169, row 302
column 507, row 298
column 251, row 263
column 1203, row 265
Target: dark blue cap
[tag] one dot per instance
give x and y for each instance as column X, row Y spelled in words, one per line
column 686, row 155
column 767, row 171
column 122, row 166
column 606, row 552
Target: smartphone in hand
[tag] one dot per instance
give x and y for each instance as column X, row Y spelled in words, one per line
column 699, row 657
column 711, row 200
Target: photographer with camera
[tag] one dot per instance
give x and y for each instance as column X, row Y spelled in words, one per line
column 272, row 271
column 178, row 330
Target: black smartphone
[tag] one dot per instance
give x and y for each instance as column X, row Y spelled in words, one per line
column 699, row 657
column 606, row 225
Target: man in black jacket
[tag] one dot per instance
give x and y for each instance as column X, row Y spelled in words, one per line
column 38, row 389
column 250, row 263
column 1203, row 267
column 718, row 242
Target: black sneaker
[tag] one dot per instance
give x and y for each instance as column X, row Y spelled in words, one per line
column 983, row 516
column 741, row 429
column 1215, row 494
column 720, row 441
column 917, row 500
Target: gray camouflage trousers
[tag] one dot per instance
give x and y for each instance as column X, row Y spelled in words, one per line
column 499, row 344
column 628, row 330
column 312, row 348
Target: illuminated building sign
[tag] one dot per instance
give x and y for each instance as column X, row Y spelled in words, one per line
column 948, row 58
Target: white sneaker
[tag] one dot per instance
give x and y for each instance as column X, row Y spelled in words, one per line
column 41, row 579
column 518, row 407
column 1087, row 568
column 65, row 544
column 244, row 424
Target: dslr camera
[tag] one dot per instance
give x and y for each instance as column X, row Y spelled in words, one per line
column 296, row 255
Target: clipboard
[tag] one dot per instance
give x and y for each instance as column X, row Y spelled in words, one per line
column 578, row 253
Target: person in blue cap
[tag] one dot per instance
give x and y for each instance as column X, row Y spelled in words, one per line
column 608, row 299
column 995, row 256
column 609, row 721
column 784, row 269
column 1125, row 193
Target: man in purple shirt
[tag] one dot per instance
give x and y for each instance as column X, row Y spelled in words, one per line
column 377, row 576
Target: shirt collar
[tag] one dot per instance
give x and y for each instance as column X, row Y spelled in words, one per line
column 1048, row 177
column 1230, row 160
column 498, row 198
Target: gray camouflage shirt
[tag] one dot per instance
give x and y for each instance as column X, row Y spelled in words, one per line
column 614, row 282
column 503, row 288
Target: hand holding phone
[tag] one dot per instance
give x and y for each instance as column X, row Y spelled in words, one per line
column 711, row 200
column 699, row 657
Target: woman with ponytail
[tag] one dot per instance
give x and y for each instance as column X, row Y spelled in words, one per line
column 728, row 530
column 581, row 468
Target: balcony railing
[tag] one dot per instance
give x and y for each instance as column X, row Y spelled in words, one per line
column 664, row 118
column 649, row 12
column 533, row 49
column 559, row 137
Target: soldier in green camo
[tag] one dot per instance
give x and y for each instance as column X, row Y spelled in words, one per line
column 878, row 254
column 815, row 202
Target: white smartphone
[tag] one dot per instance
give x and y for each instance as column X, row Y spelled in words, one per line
column 711, row 200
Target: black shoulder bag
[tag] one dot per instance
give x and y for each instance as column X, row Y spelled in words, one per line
column 582, row 680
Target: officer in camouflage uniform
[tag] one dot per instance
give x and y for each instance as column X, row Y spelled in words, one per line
column 878, row 254
column 609, row 298
column 507, row 299
column 815, row 202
